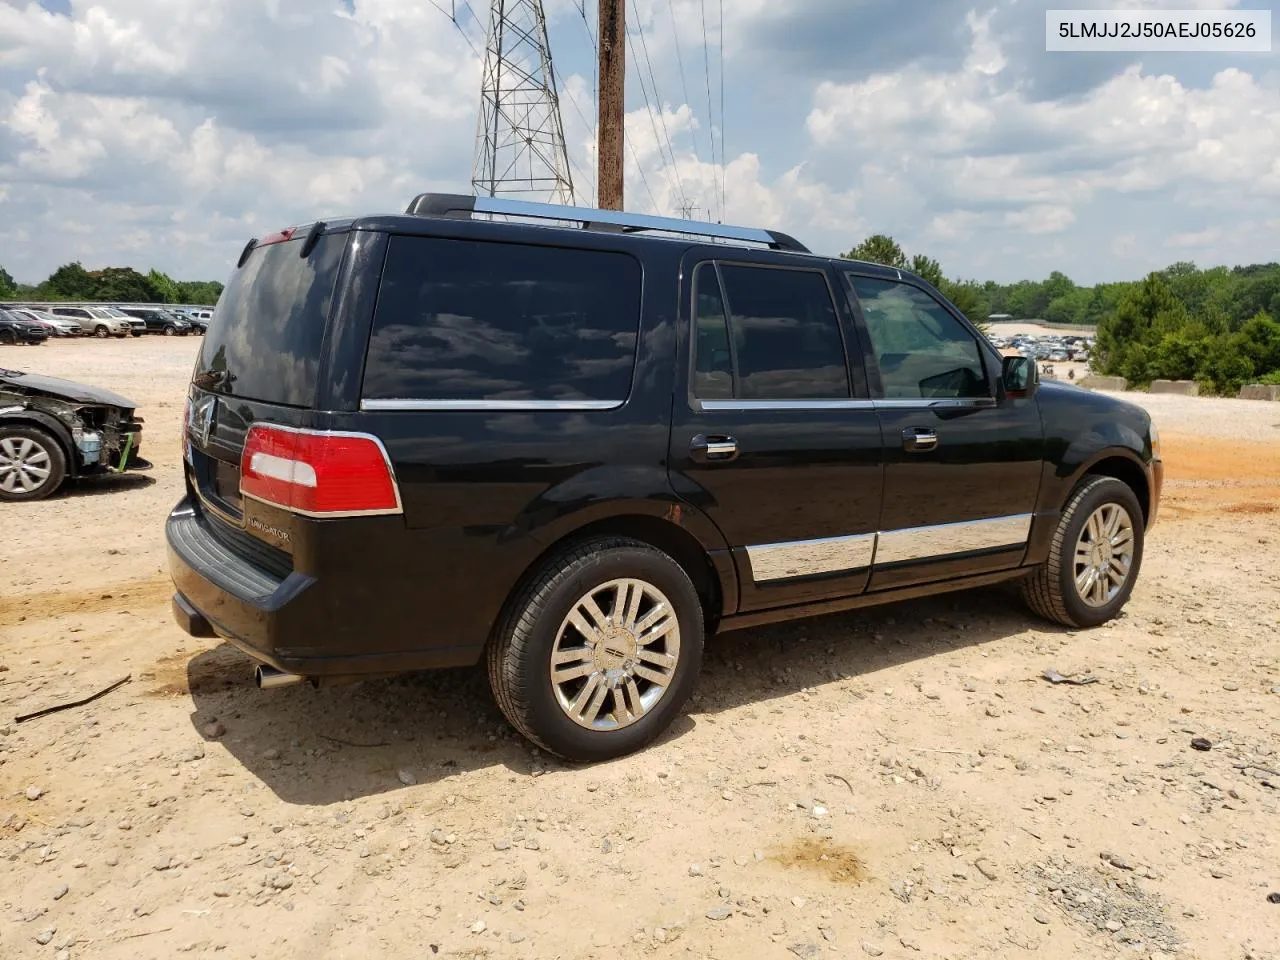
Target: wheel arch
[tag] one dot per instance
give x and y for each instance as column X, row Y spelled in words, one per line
column 1120, row 465
column 715, row 584
column 50, row 425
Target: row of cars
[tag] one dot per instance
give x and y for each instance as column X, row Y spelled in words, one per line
column 1053, row 348
column 35, row 323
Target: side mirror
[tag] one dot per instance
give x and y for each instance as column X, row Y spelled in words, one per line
column 1020, row 376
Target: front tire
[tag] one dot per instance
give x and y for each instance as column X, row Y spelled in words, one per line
column 32, row 465
column 101, row 332
column 600, row 651
column 170, row 330
column 1094, row 559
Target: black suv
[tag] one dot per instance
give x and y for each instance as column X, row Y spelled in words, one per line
column 159, row 320
column 572, row 451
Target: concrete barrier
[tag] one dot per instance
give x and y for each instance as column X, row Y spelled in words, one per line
column 1114, row 384
column 1260, row 391
column 1183, row 388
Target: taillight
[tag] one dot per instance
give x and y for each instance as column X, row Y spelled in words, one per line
column 318, row 473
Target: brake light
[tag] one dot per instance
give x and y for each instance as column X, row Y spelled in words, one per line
column 318, row 473
column 283, row 236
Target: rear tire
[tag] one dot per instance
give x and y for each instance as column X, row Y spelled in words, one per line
column 32, row 465
column 591, row 698
column 8, row 337
column 1095, row 557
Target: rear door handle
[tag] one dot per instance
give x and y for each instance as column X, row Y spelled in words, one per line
column 713, row 449
column 919, row 439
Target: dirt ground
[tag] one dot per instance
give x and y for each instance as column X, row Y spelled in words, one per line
column 899, row 782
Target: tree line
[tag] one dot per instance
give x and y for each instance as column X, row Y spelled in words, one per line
column 110, row 285
column 1219, row 326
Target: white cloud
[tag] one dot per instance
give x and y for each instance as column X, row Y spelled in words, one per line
column 165, row 132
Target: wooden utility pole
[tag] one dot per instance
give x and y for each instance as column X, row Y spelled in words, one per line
column 613, row 71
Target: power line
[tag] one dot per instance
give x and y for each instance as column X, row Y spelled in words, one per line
column 684, row 87
column 573, row 102
column 675, row 169
column 711, row 116
column 453, row 18
column 723, row 161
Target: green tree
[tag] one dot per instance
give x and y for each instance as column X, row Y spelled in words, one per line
column 926, row 268
column 1225, row 367
column 879, row 248
column 163, row 285
column 1128, row 335
column 8, row 288
column 123, row 285
column 968, row 297
column 198, row 292
column 1260, row 342
column 70, row 282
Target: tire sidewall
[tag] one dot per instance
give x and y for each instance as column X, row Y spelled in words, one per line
column 1108, row 490
column 559, row 732
column 57, row 464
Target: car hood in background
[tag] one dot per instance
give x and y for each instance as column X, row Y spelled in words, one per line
column 63, row 389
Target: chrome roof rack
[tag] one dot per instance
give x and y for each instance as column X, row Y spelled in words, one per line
column 460, row 205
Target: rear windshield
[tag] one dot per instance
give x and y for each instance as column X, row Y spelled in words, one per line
column 264, row 341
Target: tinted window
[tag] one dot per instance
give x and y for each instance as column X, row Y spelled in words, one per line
column 468, row 320
column 786, row 339
column 923, row 351
column 713, row 367
column 264, row 342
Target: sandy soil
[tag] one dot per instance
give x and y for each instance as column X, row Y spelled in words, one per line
column 897, row 782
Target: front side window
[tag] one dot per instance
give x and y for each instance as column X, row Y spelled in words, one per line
column 922, row 350
column 470, row 320
column 766, row 334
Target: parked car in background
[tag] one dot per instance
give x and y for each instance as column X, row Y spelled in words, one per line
column 57, row 326
column 15, row 329
column 96, row 321
column 137, row 326
column 160, row 320
column 53, row 429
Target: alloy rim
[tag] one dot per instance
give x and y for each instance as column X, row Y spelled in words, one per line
column 615, row 654
column 1104, row 554
column 25, row 465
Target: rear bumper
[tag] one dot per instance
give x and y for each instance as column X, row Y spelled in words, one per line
column 287, row 621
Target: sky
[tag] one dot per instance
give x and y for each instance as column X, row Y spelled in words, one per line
column 166, row 133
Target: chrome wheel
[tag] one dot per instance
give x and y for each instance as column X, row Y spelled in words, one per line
column 615, row 654
column 25, row 465
column 1104, row 554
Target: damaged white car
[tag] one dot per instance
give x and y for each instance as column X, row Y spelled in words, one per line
column 52, row 430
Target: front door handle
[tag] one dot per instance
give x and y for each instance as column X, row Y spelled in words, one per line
column 919, row 439
column 713, row 449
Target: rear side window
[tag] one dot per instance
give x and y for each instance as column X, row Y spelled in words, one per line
column 474, row 321
column 264, row 342
column 766, row 334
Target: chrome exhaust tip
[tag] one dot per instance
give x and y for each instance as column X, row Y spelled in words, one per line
column 268, row 678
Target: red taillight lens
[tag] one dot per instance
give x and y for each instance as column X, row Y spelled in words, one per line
column 318, row 473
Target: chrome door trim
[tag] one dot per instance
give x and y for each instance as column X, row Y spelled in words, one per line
column 944, row 539
column 491, row 406
column 808, row 558
column 901, row 403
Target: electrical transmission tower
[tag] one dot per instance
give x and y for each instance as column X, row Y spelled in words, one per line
column 520, row 144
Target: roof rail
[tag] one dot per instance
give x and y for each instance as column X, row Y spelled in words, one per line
column 462, row 206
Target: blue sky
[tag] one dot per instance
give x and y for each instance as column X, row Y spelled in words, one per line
column 166, row 132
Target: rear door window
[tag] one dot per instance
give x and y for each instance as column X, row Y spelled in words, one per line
column 265, row 343
column 481, row 322
column 766, row 333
